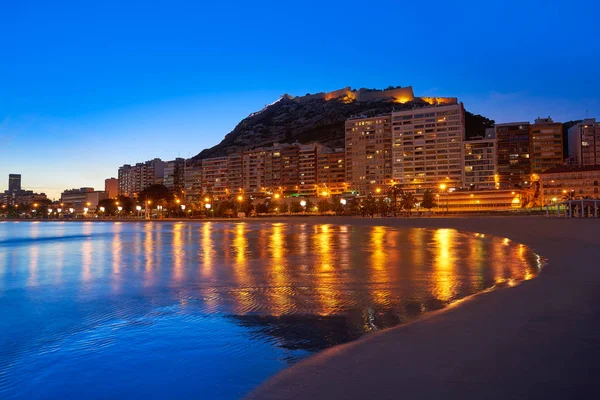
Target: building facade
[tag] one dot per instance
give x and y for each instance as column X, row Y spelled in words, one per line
column 192, row 180
column 214, row 176
column 577, row 182
column 331, row 171
column 134, row 179
column 174, row 175
column 111, row 187
column 584, row 142
column 427, row 147
column 14, row 182
column 82, row 198
column 480, row 164
column 513, row 154
column 368, row 152
column 546, row 147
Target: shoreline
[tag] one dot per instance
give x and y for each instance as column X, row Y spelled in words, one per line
column 535, row 340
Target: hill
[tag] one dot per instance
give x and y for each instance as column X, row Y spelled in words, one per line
column 318, row 120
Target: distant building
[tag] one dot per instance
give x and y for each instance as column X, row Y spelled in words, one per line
column 134, row 179
column 546, row 144
column 14, row 182
column 427, row 147
column 482, row 200
column 16, row 195
column 514, row 161
column 111, row 187
column 584, row 142
column 557, row 182
column 79, row 199
column 368, row 152
column 480, row 164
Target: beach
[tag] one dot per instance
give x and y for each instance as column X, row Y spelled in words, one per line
column 535, row 340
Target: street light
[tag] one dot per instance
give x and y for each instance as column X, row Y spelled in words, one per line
column 303, row 204
column 240, row 198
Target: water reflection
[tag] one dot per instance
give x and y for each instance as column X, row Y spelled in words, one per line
column 212, row 291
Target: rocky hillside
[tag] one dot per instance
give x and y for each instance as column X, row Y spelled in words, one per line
column 287, row 121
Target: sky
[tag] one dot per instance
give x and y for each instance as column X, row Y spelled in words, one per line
column 86, row 87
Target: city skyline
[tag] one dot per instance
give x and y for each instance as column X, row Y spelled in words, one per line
column 101, row 101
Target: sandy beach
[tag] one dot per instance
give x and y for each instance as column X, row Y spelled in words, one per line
column 536, row 340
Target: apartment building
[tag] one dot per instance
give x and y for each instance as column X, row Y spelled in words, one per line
column 174, row 175
column 214, row 176
column 427, row 147
column 480, row 164
column 584, row 142
column 253, row 171
column 514, row 161
column 192, row 179
column 134, row 179
column 307, row 167
column 368, row 152
column 331, row 171
column 235, row 173
column 546, row 146
column 282, row 168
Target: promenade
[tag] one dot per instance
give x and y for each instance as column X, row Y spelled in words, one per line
column 538, row 340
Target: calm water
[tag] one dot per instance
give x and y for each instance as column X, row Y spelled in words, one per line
column 209, row 310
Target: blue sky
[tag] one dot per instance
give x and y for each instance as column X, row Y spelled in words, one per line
column 85, row 88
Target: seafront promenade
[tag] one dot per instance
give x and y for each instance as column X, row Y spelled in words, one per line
column 537, row 340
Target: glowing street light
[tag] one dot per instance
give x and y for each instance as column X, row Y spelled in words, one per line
column 139, row 208
column 71, row 210
column 59, row 210
column 183, row 207
column 240, row 198
column 102, row 209
column 343, row 202
column 85, row 210
column 277, row 195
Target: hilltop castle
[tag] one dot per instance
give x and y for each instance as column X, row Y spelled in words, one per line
column 397, row 94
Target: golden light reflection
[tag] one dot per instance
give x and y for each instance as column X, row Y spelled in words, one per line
column 148, row 248
column 116, row 259
column 326, row 285
column 178, row 255
column 207, row 250
column 444, row 260
column 281, row 297
column 379, row 272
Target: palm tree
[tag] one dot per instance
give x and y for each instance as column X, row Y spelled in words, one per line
column 408, row 202
column 570, row 196
column 394, row 192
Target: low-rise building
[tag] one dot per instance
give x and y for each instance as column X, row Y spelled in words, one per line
column 482, row 200
column 78, row 199
column 569, row 182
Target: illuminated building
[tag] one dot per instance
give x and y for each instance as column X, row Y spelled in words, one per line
column 331, row 171
column 481, row 200
column 253, row 171
column 235, row 173
column 427, row 146
column 559, row 182
column 514, row 162
column 14, row 182
column 214, row 176
column 546, row 147
column 584, row 142
column 480, row 164
column 368, row 152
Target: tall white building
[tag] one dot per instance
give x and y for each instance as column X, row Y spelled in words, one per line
column 427, row 145
column 584, row 142
column 134, row 179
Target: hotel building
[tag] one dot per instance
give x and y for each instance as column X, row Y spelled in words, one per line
column 368, row 152
column 134, row 179
column 557, row 182
column 584, row 142
column 427, row 147
column 514, row 162
column 546, row 147
column 480, row 164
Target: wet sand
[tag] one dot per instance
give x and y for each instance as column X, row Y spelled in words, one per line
column 538, row 340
